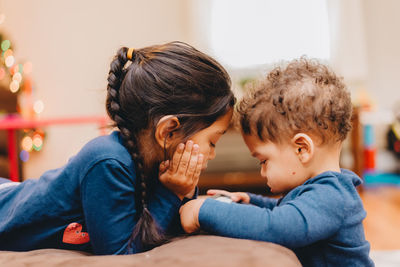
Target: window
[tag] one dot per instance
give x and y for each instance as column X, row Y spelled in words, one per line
column 245, row 33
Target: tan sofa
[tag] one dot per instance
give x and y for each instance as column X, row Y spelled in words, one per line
column 191, row 251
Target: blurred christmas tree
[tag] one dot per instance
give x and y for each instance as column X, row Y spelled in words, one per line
column 17, row 98
column 15, row 77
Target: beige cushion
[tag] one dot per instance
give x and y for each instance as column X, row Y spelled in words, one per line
column 192, row 251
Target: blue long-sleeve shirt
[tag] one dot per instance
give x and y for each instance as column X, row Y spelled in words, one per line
column 89, row 204
column 321, row 220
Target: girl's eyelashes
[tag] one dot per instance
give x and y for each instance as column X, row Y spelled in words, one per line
column 212, row 144
column 263, row 162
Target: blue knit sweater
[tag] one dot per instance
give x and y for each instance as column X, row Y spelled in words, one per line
column 88, row 205
column 321, row 220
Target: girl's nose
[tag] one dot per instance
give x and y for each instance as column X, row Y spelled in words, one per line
column 211, row 155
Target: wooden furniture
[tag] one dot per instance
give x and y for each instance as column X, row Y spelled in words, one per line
column 8, row 105
column 356, row 142
column 249, row 181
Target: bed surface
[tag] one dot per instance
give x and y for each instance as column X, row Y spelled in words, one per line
column 193, row 251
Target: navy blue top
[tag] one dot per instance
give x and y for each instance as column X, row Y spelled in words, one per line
column 88, row 205
column 321, row 220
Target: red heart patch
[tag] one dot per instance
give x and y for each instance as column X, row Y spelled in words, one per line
column 73, row 234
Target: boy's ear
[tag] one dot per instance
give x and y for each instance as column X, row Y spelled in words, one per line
column 304, row 147
column 165, row 129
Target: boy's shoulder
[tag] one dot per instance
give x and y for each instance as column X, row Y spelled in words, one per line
column 329, row 184
column 344, row 177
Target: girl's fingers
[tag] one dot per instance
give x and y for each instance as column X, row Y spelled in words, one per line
column 183, row 164
column 197, row 172
column 212, row 192
column 164, row 166
column 236, row 198
column 193, row 161
column 177, row 157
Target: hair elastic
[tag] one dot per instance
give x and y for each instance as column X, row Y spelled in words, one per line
column 130, row 53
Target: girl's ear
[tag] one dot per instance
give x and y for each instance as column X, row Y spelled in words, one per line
column 304, row 147
column 165, row 128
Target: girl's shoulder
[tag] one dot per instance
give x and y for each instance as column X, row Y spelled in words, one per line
column 104, row 147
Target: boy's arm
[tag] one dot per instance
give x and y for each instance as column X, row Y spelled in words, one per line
column 312, row 216
column 262, row 202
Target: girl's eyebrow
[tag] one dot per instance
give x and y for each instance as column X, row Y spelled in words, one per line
column 255, row 154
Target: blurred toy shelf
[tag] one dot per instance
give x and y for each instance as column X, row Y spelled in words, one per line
column 378, row 179
column 12, row 123
column 380, row 135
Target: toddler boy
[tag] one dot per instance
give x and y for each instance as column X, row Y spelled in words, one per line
column 295, row 122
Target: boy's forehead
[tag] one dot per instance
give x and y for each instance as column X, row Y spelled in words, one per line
column 252, row 142
column 258, row 147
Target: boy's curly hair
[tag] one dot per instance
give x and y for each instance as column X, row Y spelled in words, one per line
column 305, row 96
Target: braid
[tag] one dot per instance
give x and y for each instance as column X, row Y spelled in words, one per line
column 115, row 77
column 146, row 228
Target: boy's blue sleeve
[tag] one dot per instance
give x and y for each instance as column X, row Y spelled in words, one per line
column 108, row 203
column 262, row 202
column 297, row 223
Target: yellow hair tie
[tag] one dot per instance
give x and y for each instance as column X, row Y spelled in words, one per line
column 130, row 53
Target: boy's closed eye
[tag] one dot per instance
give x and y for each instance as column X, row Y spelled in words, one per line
column 263, row 162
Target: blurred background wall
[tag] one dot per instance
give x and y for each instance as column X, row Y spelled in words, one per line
column 71, row 43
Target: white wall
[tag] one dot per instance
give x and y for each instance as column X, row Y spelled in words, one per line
column 383, row 80
column 71, row 44
column 382, row 27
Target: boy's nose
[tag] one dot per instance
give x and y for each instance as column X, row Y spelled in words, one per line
column 263, row 172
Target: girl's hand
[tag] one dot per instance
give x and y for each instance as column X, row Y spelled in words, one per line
column 241, row 197
column 190, row 215
column 182, row 175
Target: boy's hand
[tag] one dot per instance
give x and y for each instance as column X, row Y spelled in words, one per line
column 241, row 197
column 182, row 175
column 190, row 215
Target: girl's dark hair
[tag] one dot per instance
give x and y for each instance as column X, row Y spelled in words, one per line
column 169, row 79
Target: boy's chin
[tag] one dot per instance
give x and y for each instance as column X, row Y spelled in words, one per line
column 273, row 190
column 279, row 191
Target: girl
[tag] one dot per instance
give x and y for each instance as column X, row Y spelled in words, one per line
column 121, row 193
